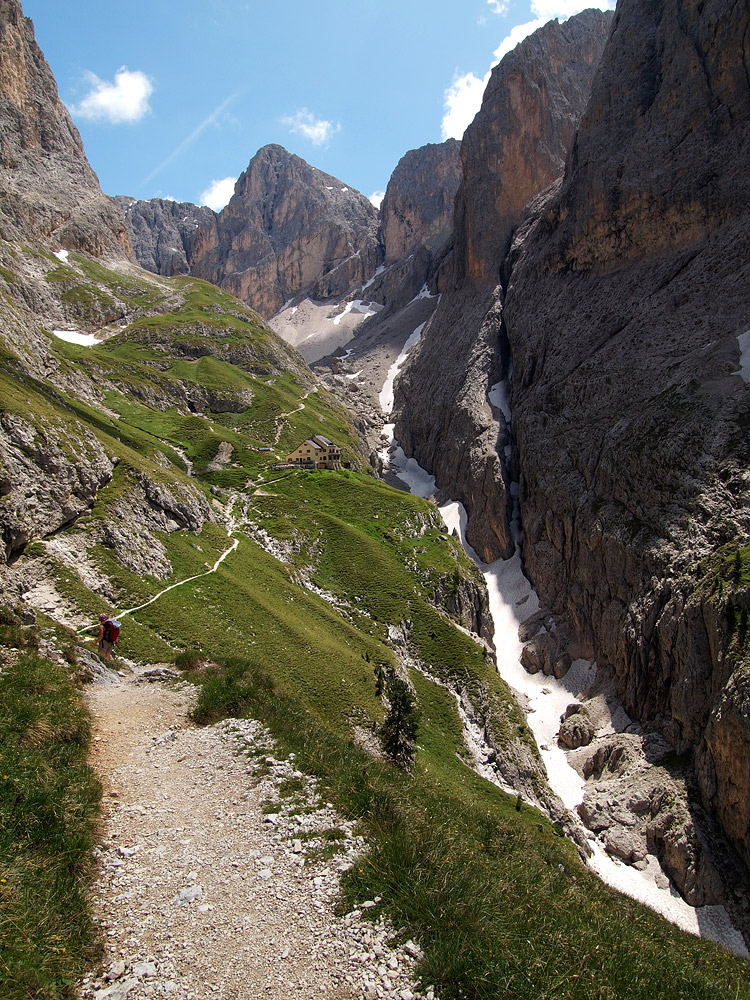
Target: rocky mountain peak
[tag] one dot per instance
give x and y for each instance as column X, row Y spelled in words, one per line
column 50, row 191
column 289, row 228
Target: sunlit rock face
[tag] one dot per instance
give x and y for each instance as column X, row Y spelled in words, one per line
column 288, row 228
column 49, row 191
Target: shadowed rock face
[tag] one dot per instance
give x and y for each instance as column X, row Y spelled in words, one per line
column 162, row 232
column 289, row 228
column 625, row 302
column 49, row 191
column 515, row 147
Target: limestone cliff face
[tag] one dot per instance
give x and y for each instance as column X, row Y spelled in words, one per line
column 48, row 189
column 162, row 232
column 518, row 142
column 515, row 147
column 416, row 223
column 417, row 210
column 289, row 228
column 625, row 302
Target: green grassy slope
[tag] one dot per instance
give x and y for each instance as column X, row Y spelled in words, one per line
column 333, row 574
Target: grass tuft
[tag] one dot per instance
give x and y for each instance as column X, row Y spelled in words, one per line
column 48, row 807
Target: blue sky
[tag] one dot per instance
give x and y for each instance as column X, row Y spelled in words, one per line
column 172, row 99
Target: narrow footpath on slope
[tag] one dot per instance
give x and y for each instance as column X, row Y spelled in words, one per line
column 204, row 893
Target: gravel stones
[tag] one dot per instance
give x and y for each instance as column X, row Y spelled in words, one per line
column 202, row 894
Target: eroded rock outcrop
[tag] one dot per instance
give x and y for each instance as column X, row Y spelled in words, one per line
column 288, row 228
column 49, row 191
column 515, row 148
column 48, row 478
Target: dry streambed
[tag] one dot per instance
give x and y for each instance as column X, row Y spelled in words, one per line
column 204, row 893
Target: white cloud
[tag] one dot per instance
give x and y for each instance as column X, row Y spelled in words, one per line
column 462, row 100
column 304, row 123
column 218, row 193
column 547, row 10
column 376, row 198
column 124, row 101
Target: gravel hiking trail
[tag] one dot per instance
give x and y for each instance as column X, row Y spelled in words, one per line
column 202, row 892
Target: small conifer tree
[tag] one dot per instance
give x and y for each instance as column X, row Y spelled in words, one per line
column 398, row 733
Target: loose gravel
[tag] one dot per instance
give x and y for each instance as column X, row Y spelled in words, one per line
column 215, row 881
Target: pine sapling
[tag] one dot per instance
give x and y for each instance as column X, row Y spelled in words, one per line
column 398, row 733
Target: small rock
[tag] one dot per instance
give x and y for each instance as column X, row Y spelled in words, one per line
column 115, row 971
column 188, row 895
column 116, row 992
column 143, row 970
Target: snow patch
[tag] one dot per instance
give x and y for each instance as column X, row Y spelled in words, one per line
column 424, row 293
column 73, row 337
column 365, row 309
column 61, row 254
column 378, row 271
column 744, row 341
column 499, row 396
column 420, row 483
column 386, row 393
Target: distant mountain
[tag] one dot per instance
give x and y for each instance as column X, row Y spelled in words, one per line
column 288, row 229
column 297, row 238
column 49, row 191
column 163, row 232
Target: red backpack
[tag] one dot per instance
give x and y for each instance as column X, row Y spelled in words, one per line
column 111, row 629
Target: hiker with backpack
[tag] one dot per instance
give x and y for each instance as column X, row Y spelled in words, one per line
column 109, row 630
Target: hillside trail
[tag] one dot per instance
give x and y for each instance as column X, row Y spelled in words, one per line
column 204, row 893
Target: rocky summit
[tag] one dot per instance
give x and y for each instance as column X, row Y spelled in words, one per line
column 288, row 228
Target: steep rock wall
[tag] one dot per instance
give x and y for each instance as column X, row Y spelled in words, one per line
column 515, row 148
column 625, row 302
column 48, row 189
column 162, row 232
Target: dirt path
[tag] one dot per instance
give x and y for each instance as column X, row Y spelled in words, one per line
column 203, row 893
